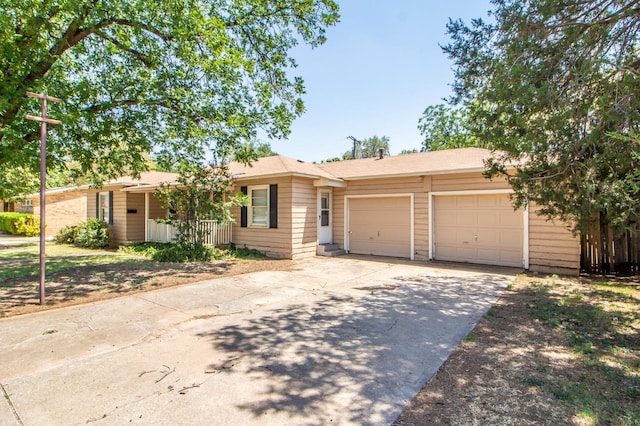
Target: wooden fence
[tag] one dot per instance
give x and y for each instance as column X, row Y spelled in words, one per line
column 605, row 252
column 214, row 233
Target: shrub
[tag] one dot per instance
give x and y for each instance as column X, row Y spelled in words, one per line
column 93, row 233
column 66, row 235
column 20, row 223
column 179, row 253
column 28, row 225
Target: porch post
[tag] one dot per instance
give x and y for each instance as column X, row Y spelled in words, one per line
column 146, row 216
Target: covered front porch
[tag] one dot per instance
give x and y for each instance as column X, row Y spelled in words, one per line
column 214, row 233
column 153, row 221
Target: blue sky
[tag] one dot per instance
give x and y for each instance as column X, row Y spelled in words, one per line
column 379, row 69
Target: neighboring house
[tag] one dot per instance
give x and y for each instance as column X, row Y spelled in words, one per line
column 424, row 206
column 24, row 206
column 65, row 207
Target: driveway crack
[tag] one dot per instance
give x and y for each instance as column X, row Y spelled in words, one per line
column 11, row 406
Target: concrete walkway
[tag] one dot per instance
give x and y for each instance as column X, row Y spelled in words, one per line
column 13, row 240
column 336, row 341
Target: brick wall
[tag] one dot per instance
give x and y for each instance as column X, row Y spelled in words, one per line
column 63, row 209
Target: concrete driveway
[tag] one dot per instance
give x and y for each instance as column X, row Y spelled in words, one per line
column 335, row 341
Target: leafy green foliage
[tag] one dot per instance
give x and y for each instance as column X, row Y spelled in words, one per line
column 170, row 252
column 20, row 223
column 446, row 128
column 94, row 233
column 368, row 148
column 555, row 85
column 252, row 150
column 180, row 77
column 28, row 225
column 201, row 193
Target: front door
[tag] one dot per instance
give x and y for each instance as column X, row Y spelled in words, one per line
column 325, row 220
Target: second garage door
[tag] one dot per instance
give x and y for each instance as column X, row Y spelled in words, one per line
column 478, row 229
column 380, row 226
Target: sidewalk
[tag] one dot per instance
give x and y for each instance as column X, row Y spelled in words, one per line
column 16, row 240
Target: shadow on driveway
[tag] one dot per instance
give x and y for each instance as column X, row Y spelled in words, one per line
column 353, row 359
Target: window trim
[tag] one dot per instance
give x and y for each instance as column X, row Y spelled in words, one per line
column 27, row 203
column 100, row 214
column 250, row 207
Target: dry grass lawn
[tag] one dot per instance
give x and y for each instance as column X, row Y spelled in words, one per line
column 550, row 352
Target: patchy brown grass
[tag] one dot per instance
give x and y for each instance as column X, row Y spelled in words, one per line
column 76, row 279
column 551, row 351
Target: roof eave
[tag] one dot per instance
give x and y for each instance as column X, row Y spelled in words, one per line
column 415, row 174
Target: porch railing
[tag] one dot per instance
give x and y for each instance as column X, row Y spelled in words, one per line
column 214, row 233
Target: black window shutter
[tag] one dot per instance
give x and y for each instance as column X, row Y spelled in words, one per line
column 273, row 206
column 110, row 207
column 243, row 210
column 98, row 205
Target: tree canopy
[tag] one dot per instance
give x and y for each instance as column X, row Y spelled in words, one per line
column 182, row 77
column 444, row 127
column 252, row 150
column 555, row 85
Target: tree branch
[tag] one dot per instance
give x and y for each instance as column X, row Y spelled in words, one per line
column 138, row 55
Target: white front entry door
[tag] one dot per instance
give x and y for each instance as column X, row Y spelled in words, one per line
column 325, row 216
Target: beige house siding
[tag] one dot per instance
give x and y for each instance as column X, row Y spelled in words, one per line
column 466, row 182
column 304, row 218
column 552, row 247
column 118, row 229
column 63, row 209
column 156, row 211
column 135, row 221
column 387, row 186
column 276, row 242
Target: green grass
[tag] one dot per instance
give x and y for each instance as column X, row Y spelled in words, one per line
column 31, row 267
column 51, row 249
column 601, row 324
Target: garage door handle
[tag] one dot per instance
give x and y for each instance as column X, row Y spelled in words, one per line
column 475, row 237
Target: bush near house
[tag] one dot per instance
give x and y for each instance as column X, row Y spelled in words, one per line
column 93, row 233
column 20, row 224
column 180, row 252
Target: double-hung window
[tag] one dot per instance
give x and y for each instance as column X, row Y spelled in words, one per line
column 262, row 209
column 259, row 206
column 104, row 205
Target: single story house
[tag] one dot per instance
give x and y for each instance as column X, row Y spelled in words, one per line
column 23, row 206
column 424, row 206
column 65, row 206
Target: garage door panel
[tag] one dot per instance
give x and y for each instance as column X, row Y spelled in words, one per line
column 380, row 226
column 478, row 229
column 484, row 202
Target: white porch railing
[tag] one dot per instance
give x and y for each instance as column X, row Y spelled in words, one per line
column 214, row 233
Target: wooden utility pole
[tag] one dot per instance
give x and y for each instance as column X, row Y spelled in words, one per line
column 43, row 175
column 356, row 142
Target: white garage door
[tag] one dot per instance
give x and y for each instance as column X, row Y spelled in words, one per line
column 380, row 226
column 478, row 229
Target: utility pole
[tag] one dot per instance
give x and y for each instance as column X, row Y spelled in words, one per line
column 43, row 174
column 355, row 142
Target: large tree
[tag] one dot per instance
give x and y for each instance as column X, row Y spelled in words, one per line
column 555, row 85
column 179, row 76
column 444, row 127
